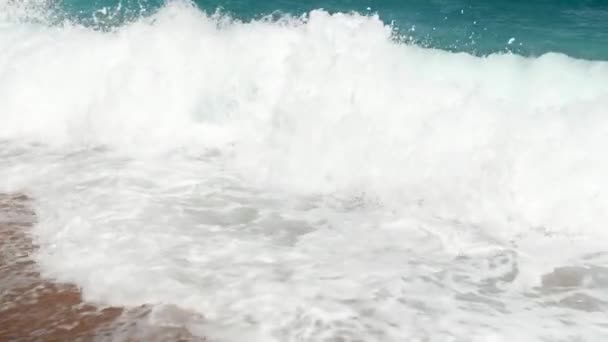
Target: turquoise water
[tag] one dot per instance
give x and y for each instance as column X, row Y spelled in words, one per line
column 578, row 28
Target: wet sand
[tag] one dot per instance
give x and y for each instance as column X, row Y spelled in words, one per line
column 32, row 308
column 37, row 309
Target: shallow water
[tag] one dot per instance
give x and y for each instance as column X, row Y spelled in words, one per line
column 239, row 262
column 309, row 179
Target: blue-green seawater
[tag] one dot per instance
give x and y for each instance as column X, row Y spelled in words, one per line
column 578, row 28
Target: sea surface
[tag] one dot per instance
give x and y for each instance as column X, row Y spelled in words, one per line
column 317, row 170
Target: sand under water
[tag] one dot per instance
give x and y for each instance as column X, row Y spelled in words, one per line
column 32, row 307
column 36, row 309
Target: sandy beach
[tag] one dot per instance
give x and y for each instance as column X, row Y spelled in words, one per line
column 37, row 309
column 32, row 308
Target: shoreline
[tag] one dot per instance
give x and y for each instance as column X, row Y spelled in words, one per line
column 32, row 307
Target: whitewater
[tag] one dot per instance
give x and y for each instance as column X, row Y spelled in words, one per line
column 313, row 178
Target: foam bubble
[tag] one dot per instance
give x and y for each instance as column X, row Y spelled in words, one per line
column 308, row 178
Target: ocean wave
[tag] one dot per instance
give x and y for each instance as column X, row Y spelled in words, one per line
column 172, row 150
column 328, row 101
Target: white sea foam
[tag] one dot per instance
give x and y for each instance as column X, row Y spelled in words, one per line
column 312, row 178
